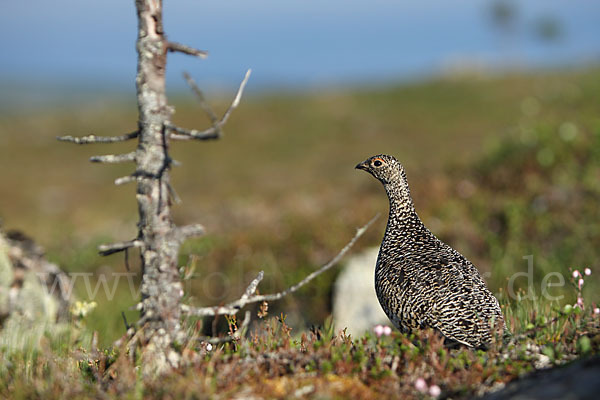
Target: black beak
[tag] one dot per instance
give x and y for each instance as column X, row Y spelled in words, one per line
column 363, row 165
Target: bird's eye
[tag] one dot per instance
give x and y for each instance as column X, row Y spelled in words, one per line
column 377, row 163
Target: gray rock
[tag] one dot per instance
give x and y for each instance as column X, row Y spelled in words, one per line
column 34, row 297
column 577, row 380
column 355, row 304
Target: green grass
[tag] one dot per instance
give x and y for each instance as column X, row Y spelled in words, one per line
column 500, row 168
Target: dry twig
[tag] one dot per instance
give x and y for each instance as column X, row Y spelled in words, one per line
column 182, row 48
column 248, row 297
column 201, row 99
column 114, row 158
column 215, row 131
column 98, row 139
column 107, row 249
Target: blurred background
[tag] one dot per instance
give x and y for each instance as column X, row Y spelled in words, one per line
column 492, row 107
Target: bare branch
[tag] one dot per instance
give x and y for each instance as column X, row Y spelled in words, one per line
column 201, row 99
column 236, row 100
column 215, row 131
column 251, row 289
column 173, row 194
column 114, row 158
column 245, row 323
column 310, row 277
column 247, row 298
column 189, row 231
column 106, row 249
column 127, row 326
column 127, row 260
column 182, row 48
column 230, row 309
column 125, row 179
column 209, row 311
column 98, row 139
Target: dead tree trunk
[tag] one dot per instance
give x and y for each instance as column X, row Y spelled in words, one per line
column 159, row 327
column 161, row 287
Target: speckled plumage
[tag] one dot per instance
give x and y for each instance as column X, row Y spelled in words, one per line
column 421, row 281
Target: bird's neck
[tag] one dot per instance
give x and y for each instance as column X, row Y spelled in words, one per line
column 401, row 204
column 403, row 223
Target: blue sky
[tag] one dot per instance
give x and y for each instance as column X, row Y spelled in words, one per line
column 290, row 44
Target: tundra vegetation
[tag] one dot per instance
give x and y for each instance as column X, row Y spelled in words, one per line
column 516, row 189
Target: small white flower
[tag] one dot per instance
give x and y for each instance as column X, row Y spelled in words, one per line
column 421, row 385
column 435, row 391
column 575, row 274
column 588, row 271
column 580, row 282
column 378, row 330
column 596, row 310
column 387, row 331
column 208, row 347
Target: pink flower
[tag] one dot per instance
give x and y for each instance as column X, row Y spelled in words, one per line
column 435, row 391
column 575, row 274
column 382, row 330
column 421, row 385
column 588, row 271
column 580, row 282
column 579, row 301
column 596, row 310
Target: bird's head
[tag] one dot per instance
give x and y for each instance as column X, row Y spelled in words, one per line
column 383, row 167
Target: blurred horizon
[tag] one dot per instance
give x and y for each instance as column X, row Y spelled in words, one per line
column 66, row 50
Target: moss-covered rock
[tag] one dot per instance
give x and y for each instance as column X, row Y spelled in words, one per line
column 34, row 293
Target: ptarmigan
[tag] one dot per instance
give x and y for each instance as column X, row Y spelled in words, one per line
column 421, row 281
